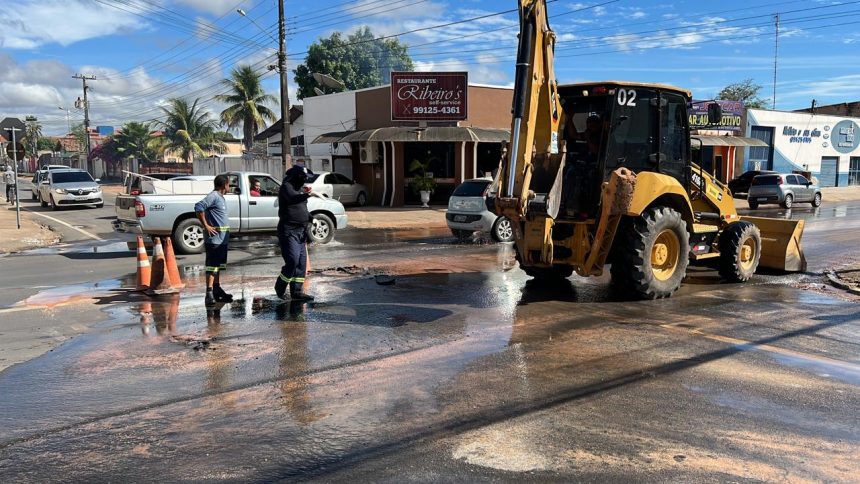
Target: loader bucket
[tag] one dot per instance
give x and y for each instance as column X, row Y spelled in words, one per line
column 780, row 243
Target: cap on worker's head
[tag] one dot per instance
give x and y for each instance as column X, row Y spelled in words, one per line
column 296, row 173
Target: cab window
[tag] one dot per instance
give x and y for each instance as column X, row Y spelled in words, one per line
column 268, row 186
column 673, row 135
column 633, row 130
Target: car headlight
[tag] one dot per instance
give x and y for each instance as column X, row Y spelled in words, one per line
column 59, row 190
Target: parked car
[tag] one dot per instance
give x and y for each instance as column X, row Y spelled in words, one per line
column 469, row 212
column 173, row 214
column 785, row 189
column 70, row 187
column 742, row 183
column 37, row 180
column 339, row 187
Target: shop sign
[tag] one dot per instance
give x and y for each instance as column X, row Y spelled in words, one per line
column 801, row 136
column 733, row 112
column 843, row 136
column 429, row 96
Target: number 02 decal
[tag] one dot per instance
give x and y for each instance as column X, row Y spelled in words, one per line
column 626, row 98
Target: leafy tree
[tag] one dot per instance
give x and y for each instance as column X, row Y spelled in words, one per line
column 80, row 135
column 45, row 144
column 247, row 103
column 135, row 140
column 746, row 91
column 225, row 136
column 188, row 130
column 359, row 61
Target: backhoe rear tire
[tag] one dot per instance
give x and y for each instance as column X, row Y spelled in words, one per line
column 740, row 251
column 651, row 254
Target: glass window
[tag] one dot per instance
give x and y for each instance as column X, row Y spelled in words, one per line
column 854, row 171
column 471, row 189
column 633, row 131
column 674, row 138
column 233, row 184
column 791, row 180
column 438, row 158
column 801, row 180
column 71, row 176
column 342, row 179
column 330, row 179
column 766, row 180
column 268, row 186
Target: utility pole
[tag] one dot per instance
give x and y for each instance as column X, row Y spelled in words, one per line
column 775, row 58
column 15, row 160
column 286, row 148
column 84, row 79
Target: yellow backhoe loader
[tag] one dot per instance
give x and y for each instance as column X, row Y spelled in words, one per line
column 601, row 173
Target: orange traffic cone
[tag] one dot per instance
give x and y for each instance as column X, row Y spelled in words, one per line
column 160, row 283
column 172, row 267
column 144, row 270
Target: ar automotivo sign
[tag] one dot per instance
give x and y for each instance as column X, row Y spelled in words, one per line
column 733, row 112
column 429, row 96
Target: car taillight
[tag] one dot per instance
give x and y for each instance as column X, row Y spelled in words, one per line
column 139, row 209
column 135, row 192
column 306, row 188
column 779, row 180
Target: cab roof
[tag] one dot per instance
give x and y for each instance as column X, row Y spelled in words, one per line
column 662, row 87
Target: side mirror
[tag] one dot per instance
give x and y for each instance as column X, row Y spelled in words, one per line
column 715, row 113
column 808, row 184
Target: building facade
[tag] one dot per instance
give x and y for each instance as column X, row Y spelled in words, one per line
column 827, row 146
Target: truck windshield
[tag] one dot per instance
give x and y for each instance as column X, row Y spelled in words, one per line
column 71, row 176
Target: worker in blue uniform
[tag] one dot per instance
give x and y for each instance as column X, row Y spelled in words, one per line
column 293, row 219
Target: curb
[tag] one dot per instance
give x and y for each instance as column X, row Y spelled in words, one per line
column 836, row 281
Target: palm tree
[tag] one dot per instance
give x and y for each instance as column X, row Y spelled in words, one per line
column 32, row 132
column 246, row 101
column 135, row 141
column 188, row 130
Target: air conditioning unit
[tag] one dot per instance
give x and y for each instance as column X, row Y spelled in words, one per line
column 367, row 152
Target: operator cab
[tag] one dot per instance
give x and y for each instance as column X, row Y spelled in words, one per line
column 607, row 125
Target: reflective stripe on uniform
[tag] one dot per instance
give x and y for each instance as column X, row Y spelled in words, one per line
column 291, row 279
column 212, row 269
column 222, row 229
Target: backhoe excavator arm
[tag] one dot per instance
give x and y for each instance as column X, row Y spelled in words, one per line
column 536, row 109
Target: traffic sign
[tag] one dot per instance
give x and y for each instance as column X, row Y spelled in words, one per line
column 15, row 153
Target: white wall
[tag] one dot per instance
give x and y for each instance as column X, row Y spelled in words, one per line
column 324, row 114
column 802, row 139
column 296, row 128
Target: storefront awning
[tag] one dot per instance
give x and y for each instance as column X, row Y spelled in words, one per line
column 428, row 134
column 728, row 141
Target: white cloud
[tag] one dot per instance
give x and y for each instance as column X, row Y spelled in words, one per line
column 28, row 24
column 485, row 70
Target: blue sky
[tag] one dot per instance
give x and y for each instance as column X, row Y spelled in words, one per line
column 145, row 51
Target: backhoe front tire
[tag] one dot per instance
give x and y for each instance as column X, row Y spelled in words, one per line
column 740, row 251
column 651, row 255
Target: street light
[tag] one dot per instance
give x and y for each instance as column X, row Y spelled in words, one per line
column 68, row 119
column 286, row 145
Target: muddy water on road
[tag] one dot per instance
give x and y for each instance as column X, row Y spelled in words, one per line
column 489, row 371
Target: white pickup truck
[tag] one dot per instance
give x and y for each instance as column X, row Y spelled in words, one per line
column 169, row 210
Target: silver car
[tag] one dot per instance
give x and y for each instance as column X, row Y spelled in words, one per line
column 784, row 189
column 70, row 187
column 338, row 187
column 468, row 212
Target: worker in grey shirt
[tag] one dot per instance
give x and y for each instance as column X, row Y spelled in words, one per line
column 212, row 213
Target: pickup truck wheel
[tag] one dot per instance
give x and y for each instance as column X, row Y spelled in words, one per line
column 321, row 229
column 189, row 237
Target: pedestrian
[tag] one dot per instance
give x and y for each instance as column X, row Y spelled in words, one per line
column 212, row 213
column 11, row 184
column 293, row 219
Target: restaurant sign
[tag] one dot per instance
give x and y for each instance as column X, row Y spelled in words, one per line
column 429, row 96
column 733, row 112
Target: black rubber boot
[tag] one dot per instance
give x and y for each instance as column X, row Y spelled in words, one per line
column 281, row 289
column 210, row 298
column 301, row 296
column 221, row 295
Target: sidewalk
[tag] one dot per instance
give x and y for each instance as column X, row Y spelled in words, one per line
column 396, row 218
column 31, row 235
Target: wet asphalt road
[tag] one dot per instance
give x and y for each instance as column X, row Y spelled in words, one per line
column 461, row 371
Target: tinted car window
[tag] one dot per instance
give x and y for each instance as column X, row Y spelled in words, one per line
column 71, row 177
column 801, row 180
column 342, row 179
column 471, row 189
column 766, row 180
column 330, row 179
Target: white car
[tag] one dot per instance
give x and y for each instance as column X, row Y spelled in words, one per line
column 70, row 187
column 338, row 187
